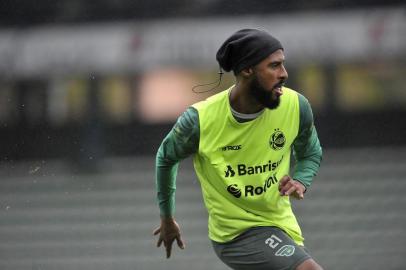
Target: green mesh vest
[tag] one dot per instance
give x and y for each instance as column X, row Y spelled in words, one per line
column 239, row 166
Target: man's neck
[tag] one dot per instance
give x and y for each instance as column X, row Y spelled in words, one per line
column 241, row 101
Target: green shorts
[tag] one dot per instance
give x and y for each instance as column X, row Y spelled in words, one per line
column 260, row 248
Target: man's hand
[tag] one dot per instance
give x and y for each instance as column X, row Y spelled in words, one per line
column 169, row 231
column 290, row 187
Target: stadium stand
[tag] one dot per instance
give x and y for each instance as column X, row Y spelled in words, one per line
column 52, row 218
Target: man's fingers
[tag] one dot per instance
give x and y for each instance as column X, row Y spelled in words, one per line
column 168, row 247
column 285, row 186
column 157, row 230
column 300, row 194
column 284, row 180
column 180, row 242
column 290, row 190
column 299, row 191
column 158, row 244
column 168, row 232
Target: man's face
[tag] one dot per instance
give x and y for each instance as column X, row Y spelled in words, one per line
column 268, row 78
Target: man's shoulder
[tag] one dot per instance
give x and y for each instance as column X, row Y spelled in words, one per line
column 290, row 92
column 303, row 102
column 211, row 101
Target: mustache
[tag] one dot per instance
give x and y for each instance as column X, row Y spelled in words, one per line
column 279, row 84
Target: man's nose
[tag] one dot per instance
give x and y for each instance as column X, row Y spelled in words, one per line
column 284, row 74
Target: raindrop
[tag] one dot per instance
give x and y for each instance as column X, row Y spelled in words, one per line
column 32, row 171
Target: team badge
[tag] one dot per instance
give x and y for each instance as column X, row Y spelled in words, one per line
column 277, row 140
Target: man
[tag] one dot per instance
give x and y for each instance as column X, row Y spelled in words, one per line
column 241, row 140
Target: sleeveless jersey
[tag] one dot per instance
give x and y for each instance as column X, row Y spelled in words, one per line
column 239, row 166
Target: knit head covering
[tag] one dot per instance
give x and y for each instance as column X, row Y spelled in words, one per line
column 245, row 48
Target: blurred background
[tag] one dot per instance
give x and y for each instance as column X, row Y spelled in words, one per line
column 88, row 89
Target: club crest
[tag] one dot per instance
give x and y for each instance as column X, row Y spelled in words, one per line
column 277, row 140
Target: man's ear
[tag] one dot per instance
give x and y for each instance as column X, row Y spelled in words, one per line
column 247, row 72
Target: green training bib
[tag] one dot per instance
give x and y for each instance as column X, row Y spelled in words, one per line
column 239, row 166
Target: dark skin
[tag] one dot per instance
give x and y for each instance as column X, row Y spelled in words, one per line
column 269, row 74
column 169, row 232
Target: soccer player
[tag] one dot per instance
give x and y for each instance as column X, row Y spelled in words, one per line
column 241, row 140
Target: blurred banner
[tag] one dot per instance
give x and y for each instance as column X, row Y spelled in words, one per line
column 128, row 47
column 88, row 91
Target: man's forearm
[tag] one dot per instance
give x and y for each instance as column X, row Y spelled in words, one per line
column 182, row 141
column 308, row 158
column 166, row 185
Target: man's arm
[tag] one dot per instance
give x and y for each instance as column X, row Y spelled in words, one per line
column 306, row 147
column 307, row 153
column 181, row 142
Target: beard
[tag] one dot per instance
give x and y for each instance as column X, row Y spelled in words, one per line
column 262, row 96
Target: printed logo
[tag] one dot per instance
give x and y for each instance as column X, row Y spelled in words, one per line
column 234, row 190
column 250, row 190
column 277, row 140
column 230, row 172
column 244, row 169
column 231, row 147
column 286, row 250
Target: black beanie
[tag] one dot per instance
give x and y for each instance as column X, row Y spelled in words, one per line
column 245, row 48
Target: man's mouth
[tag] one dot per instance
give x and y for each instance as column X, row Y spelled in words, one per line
column 278, row 89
